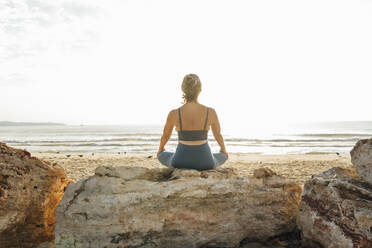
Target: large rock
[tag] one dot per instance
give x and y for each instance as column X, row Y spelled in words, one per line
column 361, row 157
column 162, row 207
column 336, row 211
column 30, row 191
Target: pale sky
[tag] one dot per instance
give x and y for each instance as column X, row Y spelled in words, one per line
column 122, row 62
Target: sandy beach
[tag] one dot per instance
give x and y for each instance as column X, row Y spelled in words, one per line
column 297, row 168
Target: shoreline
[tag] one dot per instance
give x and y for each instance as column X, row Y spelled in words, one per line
column 295, row 167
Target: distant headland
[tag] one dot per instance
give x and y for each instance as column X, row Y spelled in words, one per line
column 12, row 124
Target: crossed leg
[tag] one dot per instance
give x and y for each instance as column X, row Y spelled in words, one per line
column 165, row 158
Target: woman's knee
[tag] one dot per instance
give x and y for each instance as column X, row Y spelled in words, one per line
column 165, row 158
column 161, row 157
column 220, row 158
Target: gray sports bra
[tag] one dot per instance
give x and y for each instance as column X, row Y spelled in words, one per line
column 191, row 135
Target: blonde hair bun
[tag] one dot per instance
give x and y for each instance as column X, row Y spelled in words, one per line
column 191, row 87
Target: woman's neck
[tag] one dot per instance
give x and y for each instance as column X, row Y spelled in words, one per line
column 195, row 102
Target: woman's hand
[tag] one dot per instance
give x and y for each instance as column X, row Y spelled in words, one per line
column 159, row 151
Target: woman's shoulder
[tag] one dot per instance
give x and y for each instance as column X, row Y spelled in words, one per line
column 173, row 111
column 210, row 109
column 205, row 106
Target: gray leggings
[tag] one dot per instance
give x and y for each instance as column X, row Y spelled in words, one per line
column 197, row 157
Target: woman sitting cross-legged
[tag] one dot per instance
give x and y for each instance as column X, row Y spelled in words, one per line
column 192, row 121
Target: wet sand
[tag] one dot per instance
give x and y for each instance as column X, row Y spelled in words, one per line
column 297, row 168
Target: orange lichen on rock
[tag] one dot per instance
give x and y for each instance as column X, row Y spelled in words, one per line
column 30, row 190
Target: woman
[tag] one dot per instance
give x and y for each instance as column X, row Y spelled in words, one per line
column 192, row 121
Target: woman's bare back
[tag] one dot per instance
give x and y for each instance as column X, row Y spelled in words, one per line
column 193, row 117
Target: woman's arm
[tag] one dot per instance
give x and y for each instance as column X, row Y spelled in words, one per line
column 216, row 129
column 167, row 132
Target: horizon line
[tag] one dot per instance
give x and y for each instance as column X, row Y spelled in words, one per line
column 159, row 124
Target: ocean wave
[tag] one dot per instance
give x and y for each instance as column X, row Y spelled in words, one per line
column 143, row 141
column 84, row 144
column 335, row 135
column 81, row 140
column 265, row 141
column 119, row 139
column 133, row 134
column 314, row 146
column 326, row 138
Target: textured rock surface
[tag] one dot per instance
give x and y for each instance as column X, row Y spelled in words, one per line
column 336, row 211
column 162, row 207
column 263, row 172
column 30, row 191
column 361, row 157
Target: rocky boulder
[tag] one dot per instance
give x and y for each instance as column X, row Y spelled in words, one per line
column 361, row 157
column 30, row 191
column 336, row 211
column 162, row 207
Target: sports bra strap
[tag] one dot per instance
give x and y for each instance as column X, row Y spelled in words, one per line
column 179, row 117
column 206, row 120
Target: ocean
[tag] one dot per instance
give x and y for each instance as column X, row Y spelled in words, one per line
column 305, row 138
